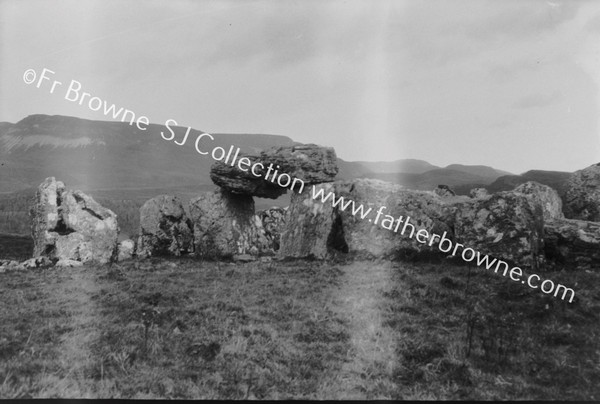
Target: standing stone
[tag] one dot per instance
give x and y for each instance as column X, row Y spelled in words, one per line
column 545, row 196
column 507, row 225
column 582, row 197
column 70, row 225
column 164, row 228
column 45, row 217
column 225, row 225
column 311, row 226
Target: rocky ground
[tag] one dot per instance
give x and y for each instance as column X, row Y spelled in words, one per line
column 183, row 328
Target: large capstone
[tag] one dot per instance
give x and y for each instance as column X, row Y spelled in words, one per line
column 241, row 182
column 164, row 228
column 279, row 169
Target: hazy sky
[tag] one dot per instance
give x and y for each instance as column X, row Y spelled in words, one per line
column 511, row 84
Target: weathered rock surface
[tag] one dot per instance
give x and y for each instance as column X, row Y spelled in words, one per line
column 310, row 163
column 71, row 225
column 125, row 250
column 45, row 216
column 582, row 197
column 38, row 262
column 225, row 225
column 545, row 196
column 507, row 225
column 388, row 238
column 478, row 193
column 572, row 244
column 315, row 228
column 309, row 230
column 164, row 228
column 237, row 181
column 444, row 191
column 273, row 223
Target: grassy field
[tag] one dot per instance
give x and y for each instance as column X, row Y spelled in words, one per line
column 180, row 328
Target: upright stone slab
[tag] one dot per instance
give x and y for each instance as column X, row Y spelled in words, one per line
column 164, row 228
column 70, row 225
column 225, row 225
column 310, row 226
column 45, row 217
column 506, row 225
column 545, row 196
column 582, row 197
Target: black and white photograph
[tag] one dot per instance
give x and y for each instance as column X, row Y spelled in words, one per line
column 300, row 200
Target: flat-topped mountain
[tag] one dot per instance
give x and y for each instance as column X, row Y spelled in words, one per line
column 123, row 166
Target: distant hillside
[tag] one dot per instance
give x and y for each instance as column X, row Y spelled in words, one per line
column 108, row 155
column 554, row 179
column 122, row 166
column 478, row 170
column 431, row 179
column 408, row 166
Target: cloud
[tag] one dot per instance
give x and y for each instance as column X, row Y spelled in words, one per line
column 539, row 100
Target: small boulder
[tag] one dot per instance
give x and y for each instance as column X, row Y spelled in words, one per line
column 244, row 258
column 67, row 263
column 444, row 191
column 164, row 228
column 38, row 262
column 478, row 193
column 582, row 196
column 126, row 250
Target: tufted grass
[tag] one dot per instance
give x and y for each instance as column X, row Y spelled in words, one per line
column 464, row 334
column 145, row 330
column 180, row 328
